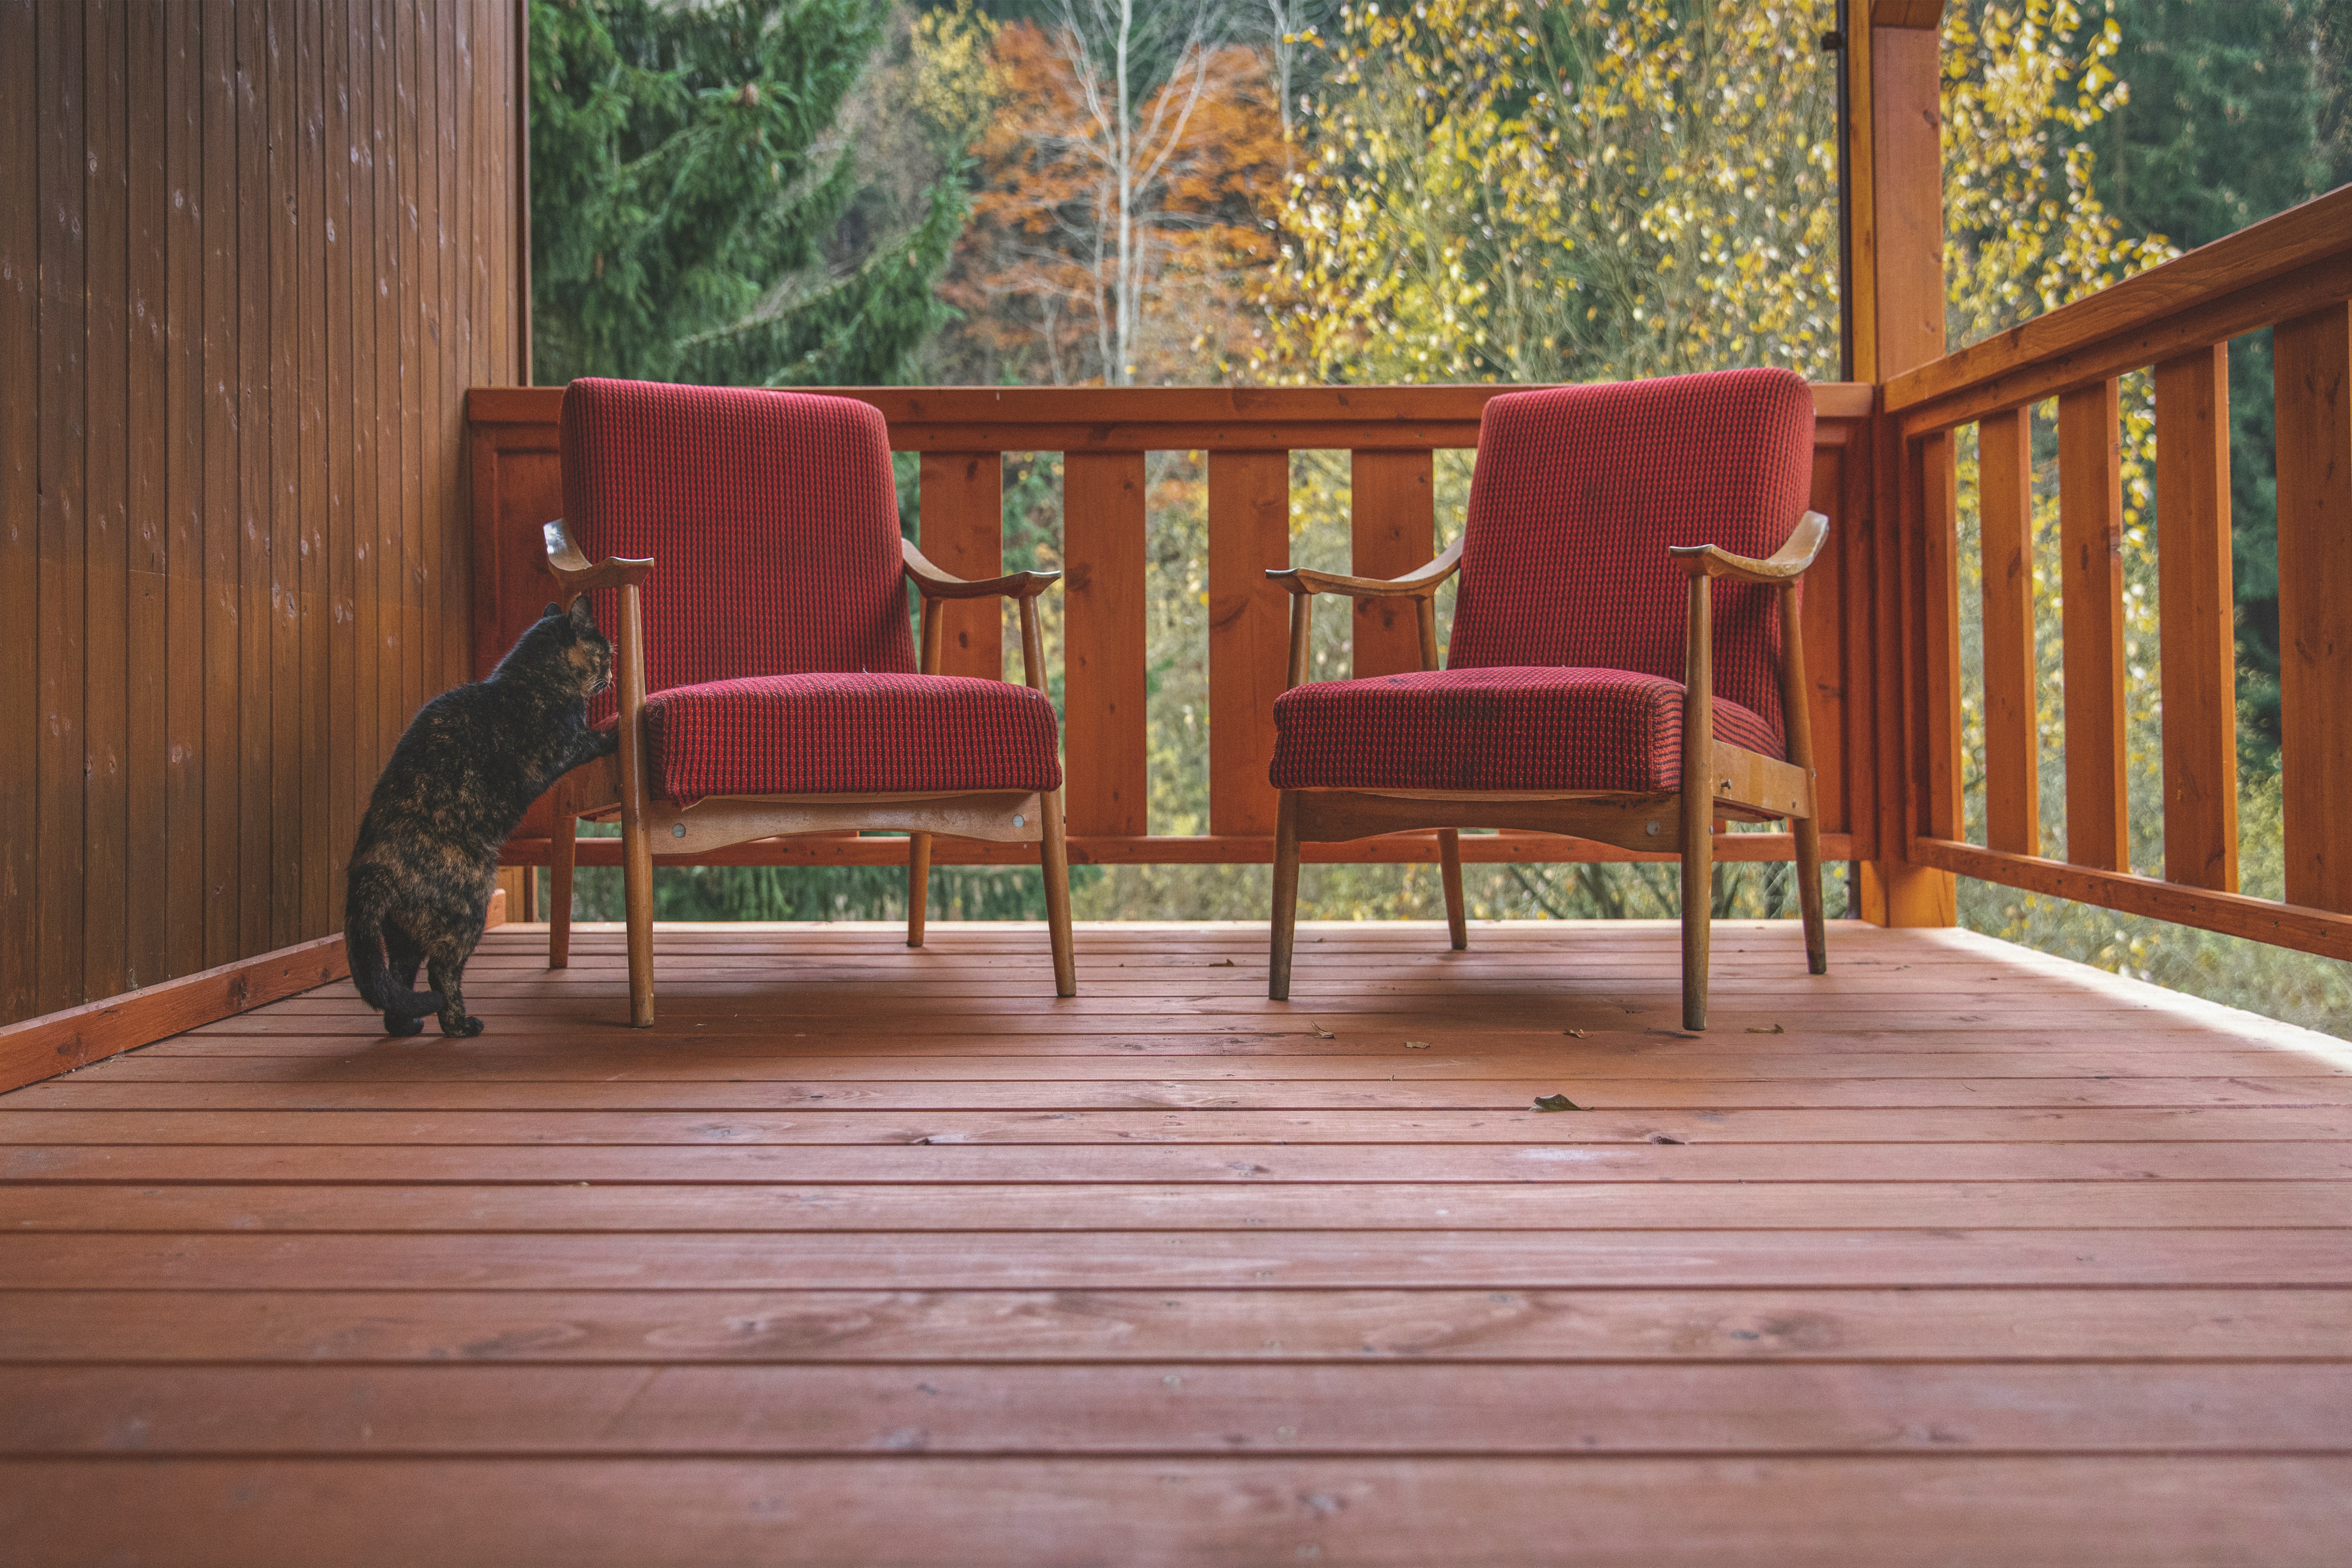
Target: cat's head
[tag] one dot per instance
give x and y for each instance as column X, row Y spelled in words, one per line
column 576, row 646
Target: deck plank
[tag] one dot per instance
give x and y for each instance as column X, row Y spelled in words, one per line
column 1883, row 1511
column 1959, row 1253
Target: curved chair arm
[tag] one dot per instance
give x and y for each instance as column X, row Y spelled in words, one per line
column 934, row 583
column 938, row 587
column 1302, row 581
column 1787, row 564
column 1419, row 586
column 577, row 575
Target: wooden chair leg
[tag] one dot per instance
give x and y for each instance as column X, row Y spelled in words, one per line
column 563, row 852
column 1808, row 894
column 637, row 895
column 1449, row 855
column 1698, row 911
column 918, row 885
column 1285, row 898
column 1053, row 859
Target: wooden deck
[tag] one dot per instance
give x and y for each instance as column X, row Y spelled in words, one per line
column 1959, row 1255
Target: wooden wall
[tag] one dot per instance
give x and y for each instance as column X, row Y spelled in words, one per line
column 251, row 256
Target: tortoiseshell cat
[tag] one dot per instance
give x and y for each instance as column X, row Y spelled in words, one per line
column 472, row 762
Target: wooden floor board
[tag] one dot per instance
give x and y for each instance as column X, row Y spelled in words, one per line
column 1957, row 1254
column 1826, row 1511
column 664, row 1327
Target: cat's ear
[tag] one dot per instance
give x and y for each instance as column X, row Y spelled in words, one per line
column 551, row 610
column 583, row 615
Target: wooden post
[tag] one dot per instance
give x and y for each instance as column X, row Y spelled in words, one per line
column 1894, row 197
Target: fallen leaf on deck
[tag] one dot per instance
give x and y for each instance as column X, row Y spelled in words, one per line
column 1416, row 1045
column 1323, row 1034
column 1222, row 963
column 1578, row 1033
column 1556, row 1102
column 1775, row 1030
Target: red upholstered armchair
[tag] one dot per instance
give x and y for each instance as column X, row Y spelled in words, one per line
column 742, row 547
column 1601, row 519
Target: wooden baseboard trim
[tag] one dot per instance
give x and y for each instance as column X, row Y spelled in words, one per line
column 1225, row 849
column 2322, row 931
column 60, row 1042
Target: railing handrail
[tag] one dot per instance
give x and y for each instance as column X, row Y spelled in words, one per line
column 1159, row 418
column 2271, row 271
column 2292, row 274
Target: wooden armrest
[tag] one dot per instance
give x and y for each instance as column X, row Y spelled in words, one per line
column 934, row 583
column 577, row 575
column 1788, row 562
column 1302, row 581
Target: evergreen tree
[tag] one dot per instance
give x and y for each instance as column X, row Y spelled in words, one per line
column 692, row 221
column 684, row 207
column 2235, row 114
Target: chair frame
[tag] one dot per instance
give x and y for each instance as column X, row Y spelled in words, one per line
column 1739, row 784
column 616, row 784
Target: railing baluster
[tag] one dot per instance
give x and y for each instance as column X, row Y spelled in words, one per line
column 2312, row 360
column 1103, row 651
column 2013, row 748
column 963, row 532
column 2194, row 611
column 1393, row 528
column 1249, row 626
column 2090, row 532
column 1938, row 507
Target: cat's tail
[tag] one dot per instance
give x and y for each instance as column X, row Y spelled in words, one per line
column 363, row 946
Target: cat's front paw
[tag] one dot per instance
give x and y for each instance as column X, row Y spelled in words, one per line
column 395, row 1025
column 466, row 1030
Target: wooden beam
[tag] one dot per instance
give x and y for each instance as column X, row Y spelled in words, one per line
column 2301, row 927
column 2311, row 361
column 2011, row 687
column 1896, row 194
column 60, row 1042
column 1928, row 13
column 2283, row 267
column 1182, row 849
column 1164, row 418
column 2195, row 610
column 2091, row 581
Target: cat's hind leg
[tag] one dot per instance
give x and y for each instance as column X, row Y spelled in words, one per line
column 444, row 965
column 401, row 956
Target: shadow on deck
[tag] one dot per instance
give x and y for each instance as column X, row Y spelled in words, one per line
column 1959, row 1254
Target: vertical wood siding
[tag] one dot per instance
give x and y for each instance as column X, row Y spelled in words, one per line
column 252, row 252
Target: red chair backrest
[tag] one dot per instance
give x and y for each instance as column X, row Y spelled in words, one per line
column 771, row 517
column 1576, row 494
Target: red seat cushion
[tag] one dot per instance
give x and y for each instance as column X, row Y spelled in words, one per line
column 1498, row 727
column 850, row 735
column 1578, row 491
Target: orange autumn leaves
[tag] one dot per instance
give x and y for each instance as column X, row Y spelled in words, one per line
column 1115, row 243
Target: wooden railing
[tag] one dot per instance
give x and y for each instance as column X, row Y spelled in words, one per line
column 2293, row 275
column 1247, row 435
